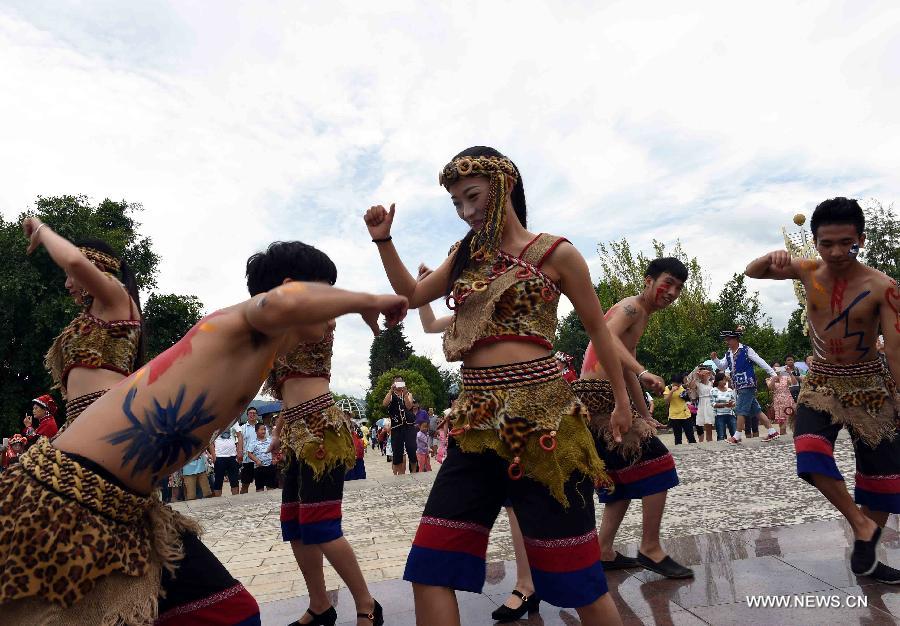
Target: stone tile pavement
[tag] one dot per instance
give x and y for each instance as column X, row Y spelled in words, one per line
column 723, row 488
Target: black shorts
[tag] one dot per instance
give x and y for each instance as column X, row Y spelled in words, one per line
column 403, row 437
column 265, row 476
column 225, row 465
column 247, row 472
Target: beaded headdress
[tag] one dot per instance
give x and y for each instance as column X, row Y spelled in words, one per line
column 487, row 240
column 105, row 262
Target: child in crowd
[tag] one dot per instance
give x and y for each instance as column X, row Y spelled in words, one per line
column 264, row 472
column 423, row 455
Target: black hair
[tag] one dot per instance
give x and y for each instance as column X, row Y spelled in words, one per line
column 461, row 261
column 259, row 425
column 673, row 266
column 288, row 259
column 253, row 408
column 720, row 376
column 838, row 211
column 677, row 378
column 126, row 276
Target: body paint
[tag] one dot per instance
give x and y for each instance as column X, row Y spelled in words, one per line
column 165, row 435
column 845, row 317
column 837, row 295
column 164, row 361
column 892, row 299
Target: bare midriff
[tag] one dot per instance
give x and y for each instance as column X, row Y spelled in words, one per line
column 504, row 353
column 85, row 380
column 297, row 390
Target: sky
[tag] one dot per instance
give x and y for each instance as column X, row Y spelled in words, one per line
column 235, row 124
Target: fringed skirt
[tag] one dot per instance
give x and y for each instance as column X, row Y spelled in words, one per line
column 77, row 547
column 528, row 415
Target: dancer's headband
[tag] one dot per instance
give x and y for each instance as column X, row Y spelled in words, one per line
column 105, row 262
column 486, row 242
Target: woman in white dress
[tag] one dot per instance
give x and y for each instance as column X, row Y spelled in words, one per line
column 706, row 415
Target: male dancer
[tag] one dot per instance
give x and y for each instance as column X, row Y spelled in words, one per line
column 739, row 361
column 114, row 550
column 640, row 465
column 848, row 384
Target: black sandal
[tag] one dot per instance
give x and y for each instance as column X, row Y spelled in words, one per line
column 325, row 618
column 530, row 604
column 376, row 616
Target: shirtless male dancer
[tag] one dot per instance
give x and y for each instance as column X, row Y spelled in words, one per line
column 848, row 385
column 125, row 558
column 640, row 465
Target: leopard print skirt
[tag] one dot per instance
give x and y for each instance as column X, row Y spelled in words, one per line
column 597, row 396
column 77, row 406
column 318, row 433
column 527, row 414
column 860, row 396
column 68, row 534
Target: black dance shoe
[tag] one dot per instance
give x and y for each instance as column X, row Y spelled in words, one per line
column 376, row 616
column 530, row 604
column 325, row 618
column 863, row 559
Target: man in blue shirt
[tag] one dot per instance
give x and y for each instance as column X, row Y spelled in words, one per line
column 248, row 440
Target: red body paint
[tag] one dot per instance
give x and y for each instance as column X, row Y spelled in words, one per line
column 892, row 298
column 837, row 295
column 164, row 361
column 659, row 293
column 836, row 346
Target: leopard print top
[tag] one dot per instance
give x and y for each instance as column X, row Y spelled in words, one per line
column 506, row 298
column 91, row 342
column 308, row 360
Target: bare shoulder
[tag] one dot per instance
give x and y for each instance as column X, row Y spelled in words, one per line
column 883, row 285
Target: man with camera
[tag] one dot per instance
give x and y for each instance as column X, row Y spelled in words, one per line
column 399, row 404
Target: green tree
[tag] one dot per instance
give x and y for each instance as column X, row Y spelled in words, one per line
column 882, row 249
column 389, row 349
column 36, row 305
column 415, row 382
column 167, row 317
column 432, row 376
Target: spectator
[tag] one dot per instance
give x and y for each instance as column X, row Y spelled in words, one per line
column 399, row 404
column 433, row 421
column 679, row 415
column 16, row 447
column 194, row 475
column 723, row 401
column 225, row 451
column 782, row 400
column 175, row 482
column 264, row 472
column 247, row 440
column 706, row 416
column 28, row 428
column 791, row 367
column 44, row 409
column 423, row 450
column 359, row 470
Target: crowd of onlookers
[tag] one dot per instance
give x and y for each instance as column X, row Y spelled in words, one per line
column 703, row 401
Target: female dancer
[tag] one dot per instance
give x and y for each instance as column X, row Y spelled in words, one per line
column 522, row 599
column 315, row 436
column 518, row 430
column 104, row 343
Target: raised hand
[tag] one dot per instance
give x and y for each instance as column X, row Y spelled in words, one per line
column 32, row 227
column 780, row 258
column 653, row 382
column 424, row 272
column 379, row 221
column 391, row 306
column 714, row 356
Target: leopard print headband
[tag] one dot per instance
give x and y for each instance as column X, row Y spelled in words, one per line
column 105, row 262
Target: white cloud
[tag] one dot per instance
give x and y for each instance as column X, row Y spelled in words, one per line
column 235, row 124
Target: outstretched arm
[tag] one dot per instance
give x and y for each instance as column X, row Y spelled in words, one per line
column 777, row 265
column 575, row 282
column 105, row 290
column 299, row 303
column 379, row 221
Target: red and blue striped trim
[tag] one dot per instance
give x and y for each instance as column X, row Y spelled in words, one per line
column 448, row 553
column 234, row 606
column 879, row 493
column 815, row 455
column 567, row 572
column 313, row 522
column 641, row 479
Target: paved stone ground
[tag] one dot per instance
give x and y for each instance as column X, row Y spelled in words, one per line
column 723, row 488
